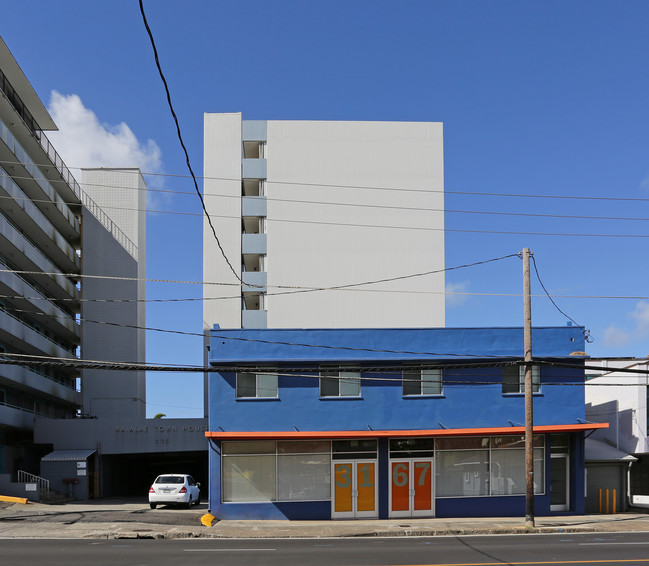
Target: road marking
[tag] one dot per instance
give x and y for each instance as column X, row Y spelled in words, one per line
column 609, row 543
column 626, row 561
column 228, row 549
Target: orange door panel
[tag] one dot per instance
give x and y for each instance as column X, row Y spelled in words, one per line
column 422, row 485
column 366, row 488
column 343, row 487
column 400, row 486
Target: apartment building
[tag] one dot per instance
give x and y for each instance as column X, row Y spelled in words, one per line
column 326, row 224
column 52, row 233
column 114, row 239
column 40, row 264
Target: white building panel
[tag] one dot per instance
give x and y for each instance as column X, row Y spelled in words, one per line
column 345, row 203
column 350, row 202
column 222, row 193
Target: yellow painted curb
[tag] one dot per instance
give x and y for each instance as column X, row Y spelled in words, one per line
column 207, row 519
column 13, row 499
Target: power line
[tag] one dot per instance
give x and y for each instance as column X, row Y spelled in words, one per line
column 405, row 291
column 314, row 372
column 415, row 228
column 587, row 335
column 182, row 143
column 335, row 203
column 289, row 288
column 363, row 187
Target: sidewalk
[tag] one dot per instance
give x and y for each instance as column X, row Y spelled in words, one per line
column 109, row 519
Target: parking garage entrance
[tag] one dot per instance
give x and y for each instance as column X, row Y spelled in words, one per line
column 132, row 474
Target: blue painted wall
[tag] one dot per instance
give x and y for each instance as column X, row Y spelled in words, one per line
column 495, row 506
column 395, row 344
column 381, row 405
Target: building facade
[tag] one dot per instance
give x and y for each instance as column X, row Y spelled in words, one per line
column 114, row 238
column 40, row 240
column 67, row 255
column 382, row 423
column 324, row 209
column 617, row 393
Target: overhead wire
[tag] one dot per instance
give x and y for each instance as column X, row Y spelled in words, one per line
column 290, row 289
column 363, row 187
column 315, row 372
column 331, row 203
column 587, row 335
column 182, row 143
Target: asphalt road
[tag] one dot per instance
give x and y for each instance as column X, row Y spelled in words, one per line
column 587, row 549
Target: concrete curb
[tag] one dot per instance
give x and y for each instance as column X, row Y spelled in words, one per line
column 11, row 499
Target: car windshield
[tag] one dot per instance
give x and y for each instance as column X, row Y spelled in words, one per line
column 170, row 479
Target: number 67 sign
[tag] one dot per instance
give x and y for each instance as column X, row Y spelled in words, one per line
column 411, row 487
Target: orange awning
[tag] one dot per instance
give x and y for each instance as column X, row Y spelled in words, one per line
column 338, row 434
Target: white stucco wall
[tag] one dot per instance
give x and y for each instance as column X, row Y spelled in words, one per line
column 621, row 400
column 347, row 202
column 383, row 174
column 222, row 194
column 121, row 196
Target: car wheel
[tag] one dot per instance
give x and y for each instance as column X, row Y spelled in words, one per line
column 198, row 501
column 153, row 505
column 189, row 503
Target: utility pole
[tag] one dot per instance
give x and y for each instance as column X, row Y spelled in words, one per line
column 529, row 409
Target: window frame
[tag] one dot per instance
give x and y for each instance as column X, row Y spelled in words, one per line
column 333, row 375
column 422, row 382
column 508, row 384
column 257, row 386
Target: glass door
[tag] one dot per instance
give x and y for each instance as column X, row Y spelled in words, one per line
column 411, row 487
column 559, row 482
column 354, row 489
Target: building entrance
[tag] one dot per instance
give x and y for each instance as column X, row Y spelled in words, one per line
column 412, row 487
column 354, row 489
column 559, row 482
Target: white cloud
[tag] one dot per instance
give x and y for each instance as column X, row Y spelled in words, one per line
column 645, row 184
column 83, row 141
column 641, row 316
column 615, row 336
column 454, row 292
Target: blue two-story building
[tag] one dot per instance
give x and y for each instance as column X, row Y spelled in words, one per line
column 381, row 423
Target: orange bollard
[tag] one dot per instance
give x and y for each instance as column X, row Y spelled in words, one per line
column 600, row 500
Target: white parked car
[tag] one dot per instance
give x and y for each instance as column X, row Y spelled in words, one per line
column 174, row 489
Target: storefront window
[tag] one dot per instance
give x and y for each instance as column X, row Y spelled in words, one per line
column 249, row 478
column 303, row 477
column 508, row 472
column 462, row 473
column 276, row 471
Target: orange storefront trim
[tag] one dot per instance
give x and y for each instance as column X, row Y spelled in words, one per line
column 332, row 434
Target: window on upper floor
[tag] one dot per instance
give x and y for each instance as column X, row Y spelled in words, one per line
column 256, row 386
column 422, row 382
column 340, row 383
column 254, row 149
column 514, row 379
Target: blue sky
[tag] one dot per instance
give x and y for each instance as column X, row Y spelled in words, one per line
column 542, row 98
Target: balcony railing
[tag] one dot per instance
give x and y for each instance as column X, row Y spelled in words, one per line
column 60, row 165
column 71, row 349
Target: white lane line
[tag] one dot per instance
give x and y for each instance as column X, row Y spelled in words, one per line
column 609, row 543
column 228, row 549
